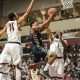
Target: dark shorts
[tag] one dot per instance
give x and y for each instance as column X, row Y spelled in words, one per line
column 38, row 54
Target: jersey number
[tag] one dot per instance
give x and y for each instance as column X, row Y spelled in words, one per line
column 11, row 27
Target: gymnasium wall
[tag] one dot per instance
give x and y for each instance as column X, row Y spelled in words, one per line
column 57, row 25
column 70, row 41
column 77, row 11
column 1, row 8
column 21, row 6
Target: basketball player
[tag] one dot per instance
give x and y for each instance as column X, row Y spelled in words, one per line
column 56, row 70
column 35, row 35
column 35, row 74
column 56, row 47
column 12, row 51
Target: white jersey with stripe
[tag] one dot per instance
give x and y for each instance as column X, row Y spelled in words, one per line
column 14, row 35
column 59, row 47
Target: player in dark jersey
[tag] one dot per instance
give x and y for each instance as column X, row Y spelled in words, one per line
column 35, row 35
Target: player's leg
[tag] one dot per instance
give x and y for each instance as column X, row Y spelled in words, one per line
column 2, row 60
column 18, row 74
column 52, row 57
column 1, row 76
column 60, row 70
column 38, row 54
column 4, row 68
column 16, row 54
column 5, row 58
column 18, row 71
column 34, row 65
column 52, row 71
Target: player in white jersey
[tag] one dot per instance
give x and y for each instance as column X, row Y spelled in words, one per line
column 13, row 51
column 4, row 72
column 34, row 74
column 56, row 70
column 56, row 51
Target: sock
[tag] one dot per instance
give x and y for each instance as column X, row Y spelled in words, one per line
column 46, row 67
column 18, row 74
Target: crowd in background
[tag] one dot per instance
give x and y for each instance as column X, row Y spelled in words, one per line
column 26, row 72
column 72, row 63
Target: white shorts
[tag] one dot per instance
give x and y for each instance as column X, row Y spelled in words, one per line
column 12, row 53
column 57, row 68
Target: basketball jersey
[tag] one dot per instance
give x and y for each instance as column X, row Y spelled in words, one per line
column 59, row 47
column 34, row 75
column 14, row 35
column 37, row 40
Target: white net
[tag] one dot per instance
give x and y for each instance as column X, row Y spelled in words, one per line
column 67, row 4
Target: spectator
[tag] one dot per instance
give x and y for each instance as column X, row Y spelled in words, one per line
column 66, row 63
column 68, row 60
column 78, row 69
column 24, row 63
column 78, row 54
column 41, row 60
column 70, row 16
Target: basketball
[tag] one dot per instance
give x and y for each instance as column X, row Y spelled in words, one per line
column 51, row 10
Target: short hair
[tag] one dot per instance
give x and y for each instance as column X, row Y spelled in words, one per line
column 60, row 32
column 11, row 15
column 32, row 22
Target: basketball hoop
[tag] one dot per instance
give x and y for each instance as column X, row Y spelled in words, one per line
column 67, row 4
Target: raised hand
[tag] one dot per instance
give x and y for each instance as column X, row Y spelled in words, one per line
column 60, row 36
column 43, row 11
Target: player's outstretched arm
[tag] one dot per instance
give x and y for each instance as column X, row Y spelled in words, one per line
column 48, row 31
column 2, row 31
column 64, row 42
column 51, row 36
column 44, row 25
column 43, row 13
column 24, row 17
